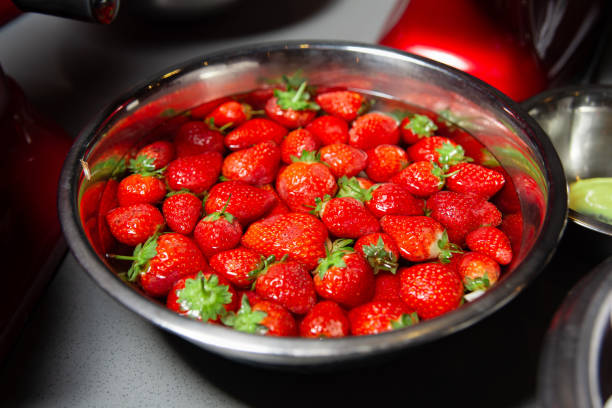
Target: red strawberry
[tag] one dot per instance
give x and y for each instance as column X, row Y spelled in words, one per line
column 343, row 160
column 416, row 127
column 287, row 283
column 512, row 226
column 492, row 242
column 344, row 276
column 108, row 201
column 393, row 199
column 387, row 286
column 326, row 319
column 252, row 297
column 302, row 181
column 196, row 137
column 329, row 129
column 238, row 265
column 248, row 203
column 264, row 318
column 292, row 108
column 182, row 210
column 195, row 173
column 431, row 289
column 296, row 142
column 379, row 316
column 385, row 161
column 258, row 97
column 134, row 224
column 254, row 165
column 200, row 111
column 441, row 150
column 153, row 156
column 301, row 236
column 473, row 148
column 140, row 189
column 488, row 214
column 230, row 113
column 254, row 131
column 419, row 238
column 346, row 217
column 380, row 250
column 162, row 260
column 218, row 231
column 373, row 129
column 201, row 296
column 279, row 206
column 457, row 212
column 477, row 271
column 475, row 179
column 422, row 178
column 343, row 104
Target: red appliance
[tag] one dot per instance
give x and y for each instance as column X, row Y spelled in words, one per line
column 519, row 47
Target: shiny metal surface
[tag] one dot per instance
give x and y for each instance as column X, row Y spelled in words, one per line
column 513, row 137
column 578, row 120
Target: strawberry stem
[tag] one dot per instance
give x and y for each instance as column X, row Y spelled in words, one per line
column 203, row 297
column 379, row 258
column 335, row 255
column 246, row 320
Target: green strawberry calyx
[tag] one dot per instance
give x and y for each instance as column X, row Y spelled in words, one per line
column 379, row 258
column 203, row 297
column 335, row 256
column 140, row 257
column 263, row 266
column 246, row 319
column 212, row 217
column 145, row 166
column 421, row 126
column 480, row 283
column 450, row 154
column 308, row 156
column 319, row 206
column 349, row 187
column 297, row 100
column 405, row 320
column 447, row 248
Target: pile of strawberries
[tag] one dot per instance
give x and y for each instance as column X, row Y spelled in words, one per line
column 294, row 211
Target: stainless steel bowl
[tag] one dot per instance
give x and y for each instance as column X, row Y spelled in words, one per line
column 578, row 120
column 510, row 134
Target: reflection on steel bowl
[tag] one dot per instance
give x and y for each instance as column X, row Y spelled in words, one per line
column 150, row 110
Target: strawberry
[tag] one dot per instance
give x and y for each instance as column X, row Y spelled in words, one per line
column 343, row 104
column 279, row 206
column 153, row 156
column 195, row 173
column 393, row 199
column 108, row 201
column 162, row 260
column 253, row 131
column 380, row 250
column 201, row 296
column 302, row 181
column 326, row 319
column 488, row 214
column 258, row 97
column 196, row 137
column 182, row 210
column 343, row 159
column 296, row 142
column 416, row 127
column 238, row 265
column 248, row 203
column 477, row 271
column 140, row 189
column 264, row 318
column 344, row 276
column 379, row 316
column 254, row 165
column 230, row 113
column 252, row 297
column 200, row 111
column 373, row 129
column 292, row 108
column 301, row 236
column 457, row 212
column 492, row 242
column 512, row 226
column 419, row 238
column 385, row 161
column 441, row 150
column 345, row 217
column 329, row 129
column 134, row 224
column 387, row 286
column 218, row 231
column 422, row 178
column 287, row 283
column 473, row 148
column 431, row 289
column 475, row 179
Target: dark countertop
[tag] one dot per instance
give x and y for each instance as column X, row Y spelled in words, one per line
column 81, row 348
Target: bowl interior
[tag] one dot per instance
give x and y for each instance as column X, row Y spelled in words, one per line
column 152, row 110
